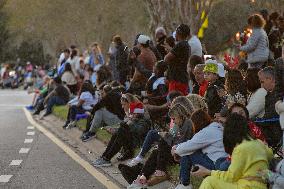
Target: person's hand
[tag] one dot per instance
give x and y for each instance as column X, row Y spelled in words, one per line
column 167, row 47
column 201, row 172
column 145, row 101
column 264, row 174
column 221, row 92
column 132, row 55
column 173, row 150
column 163, row 134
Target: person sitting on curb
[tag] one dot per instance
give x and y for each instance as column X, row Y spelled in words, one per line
column 59, row 96
column 84, row 102
column 108, row 110
column 129, row 135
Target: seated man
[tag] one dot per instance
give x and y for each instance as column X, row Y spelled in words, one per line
column 59, row 96
column 107, row 111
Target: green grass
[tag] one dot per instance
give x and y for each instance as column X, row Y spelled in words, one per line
column 104, row 136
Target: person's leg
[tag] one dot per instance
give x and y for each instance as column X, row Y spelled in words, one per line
column 97, row 121
column 164, row 156
column 123, row 139
column 150, row 165
column 109, row 118
column 152, row 136
column 187, row 162
column 74, row 111
column 54, row 100
column 214, row 183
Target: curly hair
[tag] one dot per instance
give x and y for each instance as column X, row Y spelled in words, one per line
column 256, row 21
column 104, row 74
column 234, row 83
column 185, row 102
column 198, row 102
column 178, row 110
column 200, row 120
column 235, row 131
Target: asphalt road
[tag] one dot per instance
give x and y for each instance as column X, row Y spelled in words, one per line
column 38, row 162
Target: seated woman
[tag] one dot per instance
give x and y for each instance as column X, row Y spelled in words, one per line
column 154, row 169
column 69, row 79
column 205, row 148
column 153, row 135
column 248, row 157
column 85, row 100
column 129, row 135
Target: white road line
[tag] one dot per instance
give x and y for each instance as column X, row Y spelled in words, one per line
column 28, row 140
column 86, row 165
column 30, row 127
column 16, row 162
column 31, row 133
column 5, row 178
column 24, row 150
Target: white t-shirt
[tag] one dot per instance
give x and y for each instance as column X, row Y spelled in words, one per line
column 195, row 46
column 69, row 78
column 89, row 100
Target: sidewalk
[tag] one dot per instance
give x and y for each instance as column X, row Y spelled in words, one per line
column 90, row 150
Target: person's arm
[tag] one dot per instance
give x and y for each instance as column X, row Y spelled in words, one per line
column 251, row 43
column 198, row 141
column 169, row 58
column 257, row 103
column 52, row 93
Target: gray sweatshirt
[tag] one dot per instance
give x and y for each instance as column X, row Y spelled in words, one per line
column 209, row 140
column 257, row 46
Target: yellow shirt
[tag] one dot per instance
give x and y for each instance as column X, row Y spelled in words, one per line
column 247, row 159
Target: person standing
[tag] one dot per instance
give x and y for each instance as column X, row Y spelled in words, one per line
column 177, row 60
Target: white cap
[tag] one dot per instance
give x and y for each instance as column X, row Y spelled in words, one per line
column 211, row 61
column 143, row 39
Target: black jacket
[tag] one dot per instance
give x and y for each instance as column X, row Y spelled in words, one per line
column 112, row 103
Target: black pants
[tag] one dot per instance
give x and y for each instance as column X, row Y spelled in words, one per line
column 159, row 159
column 272, row 133
column 73, row 110
column 121, row 139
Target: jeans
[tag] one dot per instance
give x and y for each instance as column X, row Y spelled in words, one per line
column 103, row 116
column 186, row 163
column 222, row 164
column 152, row 136
column 54, row 100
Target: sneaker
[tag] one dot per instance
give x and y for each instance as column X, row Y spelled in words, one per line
column 125, row 155
column 135, row 161
column 88, row 136
column 30, row 107
column 181, row 186
column 101, row 162
column 71, row 125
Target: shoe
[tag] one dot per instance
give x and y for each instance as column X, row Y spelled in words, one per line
column 135, row 161
column 125, row 155
column 65, row 125
column 157, row 179
column 88, row 136
column 71, row 125
column 30, row 107
column 36, row 112
column 181, row 186
column 101, row 162
column 83, row 134
column 139, row 183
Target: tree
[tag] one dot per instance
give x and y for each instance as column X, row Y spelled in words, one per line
column 168, row 13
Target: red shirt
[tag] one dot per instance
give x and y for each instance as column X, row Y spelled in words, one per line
column 255, row 130
column 203, row 88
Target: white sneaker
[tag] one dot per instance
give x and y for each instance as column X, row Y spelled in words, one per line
column 181, row 186
column 135, row 161
column 71, row 125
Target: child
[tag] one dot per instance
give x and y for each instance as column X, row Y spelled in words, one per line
column 212, row 97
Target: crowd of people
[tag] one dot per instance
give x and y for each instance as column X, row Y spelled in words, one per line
column 164, row 97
